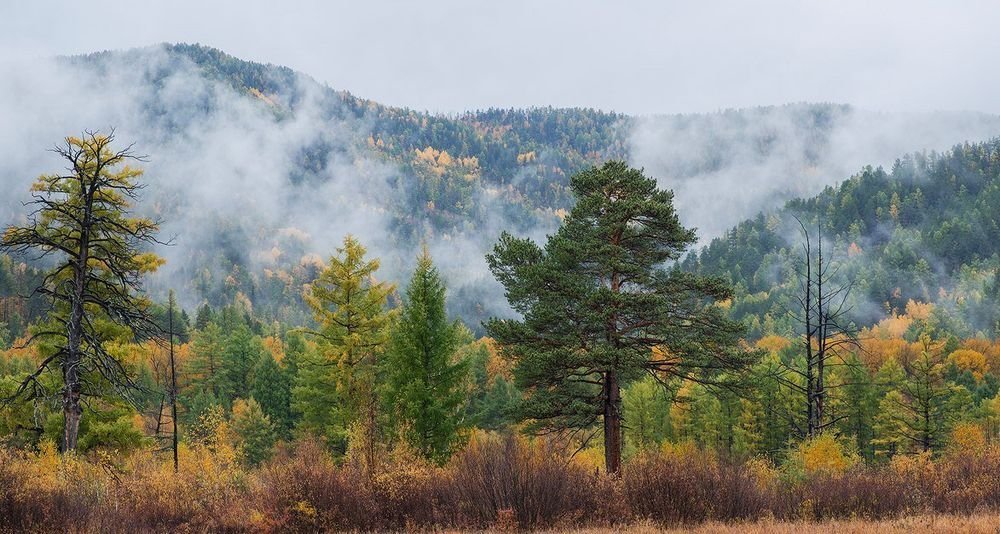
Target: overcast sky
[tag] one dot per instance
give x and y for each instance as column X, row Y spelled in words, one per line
column 633, row 57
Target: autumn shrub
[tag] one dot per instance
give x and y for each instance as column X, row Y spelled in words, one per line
column 509, row 479
column 497, row 482
column 966, row 483
column 821, row 456
column 302, row 489
column 857, row 492
column 207, row 494
column 691, row 487
column 40, row 491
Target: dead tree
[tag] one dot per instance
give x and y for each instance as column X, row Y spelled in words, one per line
column 822, row 310
column 173, row 378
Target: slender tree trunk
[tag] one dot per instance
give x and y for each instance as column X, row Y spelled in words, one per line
column 612, row 423
column 810, row 384
column 159, row 419
column 173, row 382
column 822, row 337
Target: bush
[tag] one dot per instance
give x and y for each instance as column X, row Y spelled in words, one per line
column 692, row 487
column 510, row 479
column 496, row 482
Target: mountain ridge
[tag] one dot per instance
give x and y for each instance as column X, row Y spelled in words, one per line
column 288, row 165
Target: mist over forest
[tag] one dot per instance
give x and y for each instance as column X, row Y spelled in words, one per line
column 258, row 169
column 234, row 297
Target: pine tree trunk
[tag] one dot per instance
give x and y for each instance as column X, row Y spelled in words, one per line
column 612, row 423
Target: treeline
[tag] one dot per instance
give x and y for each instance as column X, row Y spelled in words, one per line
column 366, row 374
column 900, row 391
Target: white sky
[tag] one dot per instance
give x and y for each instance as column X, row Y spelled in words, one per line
column 627, row 56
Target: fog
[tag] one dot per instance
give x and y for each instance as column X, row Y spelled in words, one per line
column 224, row 168
column 726, row 167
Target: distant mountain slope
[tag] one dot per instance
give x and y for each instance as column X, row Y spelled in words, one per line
column 258, row 171
column 928, row 229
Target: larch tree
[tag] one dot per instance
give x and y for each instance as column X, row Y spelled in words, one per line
column 336, row 388
column 82, row 219
column 599, row 298
column 204, row 368
column 928, row 404
column 255, row 431
column 424, row 378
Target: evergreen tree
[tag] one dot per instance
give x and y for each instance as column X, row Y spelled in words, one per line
column 272, row 389
column 240, row 353
column 254, row 430
column 424, row 378
column 597, row 300
column 493, row 397
column 198, row 403
column 204, row 316
column 857, row 406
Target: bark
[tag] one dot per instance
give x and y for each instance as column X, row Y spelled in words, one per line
column 72, row 386
column 72, row 411
column 612, row 423
column 173, row 385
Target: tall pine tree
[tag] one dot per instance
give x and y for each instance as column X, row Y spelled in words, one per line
column 599, row 297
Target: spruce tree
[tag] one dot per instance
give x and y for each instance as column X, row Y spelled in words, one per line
column 240, row 353
column 424, row 379
column 272, row 388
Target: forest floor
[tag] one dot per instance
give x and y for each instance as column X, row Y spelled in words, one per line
column 918, row 524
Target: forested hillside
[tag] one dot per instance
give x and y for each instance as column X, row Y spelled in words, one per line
column 261, row 169
column 924, row 230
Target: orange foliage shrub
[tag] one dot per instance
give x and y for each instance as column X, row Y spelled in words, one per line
column 495, row 483
column 967, row 439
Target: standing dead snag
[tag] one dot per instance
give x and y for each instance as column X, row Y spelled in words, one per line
column 94, row 292
column 173, row 379
column 823, row 311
